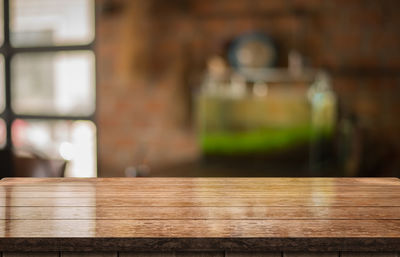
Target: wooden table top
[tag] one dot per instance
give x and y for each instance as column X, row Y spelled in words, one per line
column 202, row 213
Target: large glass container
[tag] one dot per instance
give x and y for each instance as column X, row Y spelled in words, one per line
column 269, row 115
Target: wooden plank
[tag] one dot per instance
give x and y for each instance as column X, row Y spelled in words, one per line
column 202, row 228
column 146, row 254
column 190, row 213
column 368, row 254
column 226, row 194
column 262, row 214
column 137, row 188
column 89, row 254
column 253, row 254
column 30, row 254
column 278, row 201
column 310, row 254
column 204, row 181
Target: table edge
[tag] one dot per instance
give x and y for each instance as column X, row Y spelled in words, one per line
column 178, row 244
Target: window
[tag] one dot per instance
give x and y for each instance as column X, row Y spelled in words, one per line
column 2, row 133
column 2, row 96
column 47, row 81
column 51, row 23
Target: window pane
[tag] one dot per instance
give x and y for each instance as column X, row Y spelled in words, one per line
column 50, row 22
column 2, row 133
column 74, row 141
column 60, row 83
column 1, row 23
column 2, row 99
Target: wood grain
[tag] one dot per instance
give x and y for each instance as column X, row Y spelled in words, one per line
column 199, row 254
column 199, row 213
column 89, row 254
column 253, row 254
column 104, row 187
column 174, row 214
column 201, row 181
column 278, row 201
column 308, row 254
column 199, row 194
column 202, row 228
column 146, row 254
column 366, row 254
column 30, row 254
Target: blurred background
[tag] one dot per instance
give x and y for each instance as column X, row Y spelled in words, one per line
column 199, row 88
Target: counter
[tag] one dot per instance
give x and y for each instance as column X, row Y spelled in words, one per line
column 204, row 217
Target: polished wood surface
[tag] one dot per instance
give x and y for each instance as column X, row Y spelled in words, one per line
column 199, row 213
column 268, row 213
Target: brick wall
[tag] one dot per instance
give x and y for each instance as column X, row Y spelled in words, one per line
column 151, row 54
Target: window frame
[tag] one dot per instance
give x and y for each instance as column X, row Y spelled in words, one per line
column 8, row 51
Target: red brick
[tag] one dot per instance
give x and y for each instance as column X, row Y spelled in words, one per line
column 148, row 51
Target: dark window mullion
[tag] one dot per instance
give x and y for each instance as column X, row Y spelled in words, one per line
column 52, row 117
column 7, row 115
column 14, row 50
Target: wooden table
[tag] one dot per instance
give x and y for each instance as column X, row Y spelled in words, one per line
column 202, row 217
